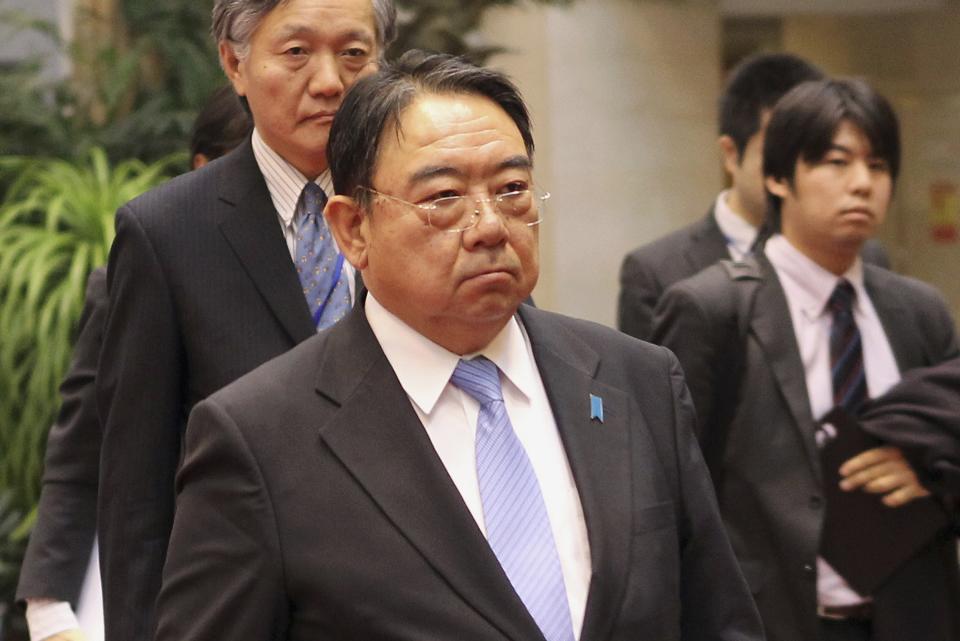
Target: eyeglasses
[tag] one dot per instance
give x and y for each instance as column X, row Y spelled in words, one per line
column 459, row 213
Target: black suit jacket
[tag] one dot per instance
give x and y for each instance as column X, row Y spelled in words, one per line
column 347, row 525
column 770, row 489
column 59, row 550
column 647, row 272
column 202, row 290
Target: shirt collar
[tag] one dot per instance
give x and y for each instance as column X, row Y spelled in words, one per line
column 284, row 181
column 735, row 229
column 809, row 282
column 424, row 368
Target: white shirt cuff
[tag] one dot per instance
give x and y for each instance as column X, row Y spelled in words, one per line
column 46, row 617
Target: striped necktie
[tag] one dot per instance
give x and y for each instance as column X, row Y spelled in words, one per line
column 517, row 524
column 846, row 350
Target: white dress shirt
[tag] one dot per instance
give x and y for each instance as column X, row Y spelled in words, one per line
column 449, row 417
column 739, row 233
column 808, row 287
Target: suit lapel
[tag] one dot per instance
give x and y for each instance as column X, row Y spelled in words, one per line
column 250, row 226
column 773, row 329
column 708, row 244
column 375, row 416
column 599, row 457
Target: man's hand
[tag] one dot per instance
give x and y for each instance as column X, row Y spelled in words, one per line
column 883, row 470
column 67, row 635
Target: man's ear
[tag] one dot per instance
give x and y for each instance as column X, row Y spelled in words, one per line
column 347, row 222
column 779, row 187
column 232, row 66
column 729, row 153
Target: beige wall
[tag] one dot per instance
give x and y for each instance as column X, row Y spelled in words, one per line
column 623, row 97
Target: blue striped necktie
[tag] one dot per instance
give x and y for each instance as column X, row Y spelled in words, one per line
column 518, row 528
column 317, row 260
column 846, row 350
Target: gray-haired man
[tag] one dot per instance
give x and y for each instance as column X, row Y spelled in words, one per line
column 203, row 286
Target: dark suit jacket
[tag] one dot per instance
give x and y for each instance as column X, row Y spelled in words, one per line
column 59, row 549
column 921, row 416
column 348, row 526
column 770, row 489
column 647, row 272
column 202, row 290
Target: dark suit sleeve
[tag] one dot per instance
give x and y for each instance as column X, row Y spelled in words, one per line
column 223, row 579
column 59, row 549
column 639, row 292
column 921, row 415
column 140, row 395
column 715, row 601
column 683, row 325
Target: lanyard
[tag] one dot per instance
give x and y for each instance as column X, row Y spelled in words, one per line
column 317, row 315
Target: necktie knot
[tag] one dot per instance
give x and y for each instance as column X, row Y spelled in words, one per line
column 314, row 200
column 841, row 300
column 479, row 378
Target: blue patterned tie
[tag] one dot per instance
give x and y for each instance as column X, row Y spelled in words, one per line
column 317, row 260
column 518, row 528
column 846, row 351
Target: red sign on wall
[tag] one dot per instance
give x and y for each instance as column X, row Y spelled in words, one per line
column 944, row 212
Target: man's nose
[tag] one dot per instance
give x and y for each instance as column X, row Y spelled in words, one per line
column 861, row 176
column 491, row 228
column 325, row 79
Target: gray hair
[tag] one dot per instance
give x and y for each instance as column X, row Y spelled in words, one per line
column 234, row 22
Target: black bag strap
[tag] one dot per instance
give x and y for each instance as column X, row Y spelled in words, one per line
column 739, row 292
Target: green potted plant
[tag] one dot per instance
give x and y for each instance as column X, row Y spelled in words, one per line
column 56, row 225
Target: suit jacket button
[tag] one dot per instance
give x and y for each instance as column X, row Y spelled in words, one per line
column 809, row 571
column 816, row 502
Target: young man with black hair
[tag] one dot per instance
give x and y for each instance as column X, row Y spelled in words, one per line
column 730, row 226
column 819, row 330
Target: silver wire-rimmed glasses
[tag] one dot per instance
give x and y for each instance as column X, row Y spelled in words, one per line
column 459, row 213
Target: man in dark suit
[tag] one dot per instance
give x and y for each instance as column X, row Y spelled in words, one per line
column 819, row 330
column 449, row 468
column 202, row 281
column 54, row 567
column 730, row 227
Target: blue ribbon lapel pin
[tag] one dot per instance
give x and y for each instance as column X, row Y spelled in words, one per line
column 596, row 408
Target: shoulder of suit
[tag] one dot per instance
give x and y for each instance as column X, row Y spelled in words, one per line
column 184, row 195
column 884, row 282
column 603, row 340
column 666, row 247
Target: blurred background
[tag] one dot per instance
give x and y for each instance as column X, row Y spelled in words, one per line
column 97, row 98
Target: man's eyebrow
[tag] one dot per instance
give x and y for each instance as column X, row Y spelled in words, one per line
column 840, row 148
column 304, row 29
column 519, row 161
column 432, row 171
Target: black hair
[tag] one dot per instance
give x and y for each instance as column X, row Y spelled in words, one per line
column 220, row 126
column 804, row 122
column 755, row 85
column 375, row 103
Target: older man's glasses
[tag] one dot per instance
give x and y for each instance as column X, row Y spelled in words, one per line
column 459, row 213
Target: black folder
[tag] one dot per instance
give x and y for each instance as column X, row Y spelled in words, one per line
column 863, row 539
